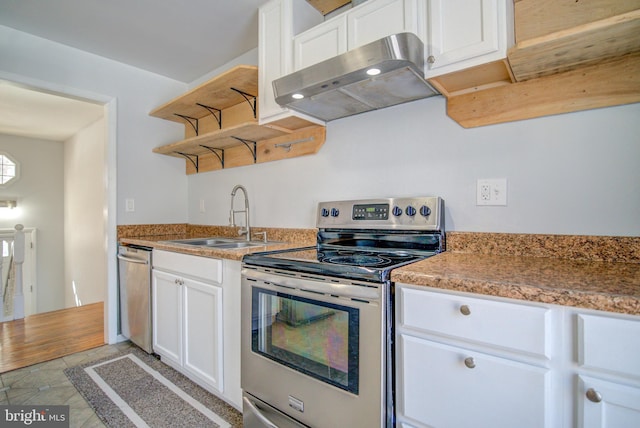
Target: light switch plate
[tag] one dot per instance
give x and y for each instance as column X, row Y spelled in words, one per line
column 491, row 191
column 129, row 205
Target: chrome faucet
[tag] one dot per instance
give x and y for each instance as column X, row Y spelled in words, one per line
column 246, row 230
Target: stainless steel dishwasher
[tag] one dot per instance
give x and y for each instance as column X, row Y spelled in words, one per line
column 134, row 279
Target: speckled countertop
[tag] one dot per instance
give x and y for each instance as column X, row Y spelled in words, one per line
column 155, row 236
column 600, row 273
column 591, row 272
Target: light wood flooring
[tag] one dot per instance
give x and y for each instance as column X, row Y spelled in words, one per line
column 43, row 337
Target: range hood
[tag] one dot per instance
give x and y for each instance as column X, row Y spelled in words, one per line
column 380, row 74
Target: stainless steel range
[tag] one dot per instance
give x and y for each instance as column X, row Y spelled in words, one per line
column 317, row 321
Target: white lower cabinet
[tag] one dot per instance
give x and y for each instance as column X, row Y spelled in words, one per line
column 605, row 404
column 203, row 343
column 464, row 361
column 167, row 316
column 608, row 370
column 469, row 360
column 194, row 320
column 447, row 386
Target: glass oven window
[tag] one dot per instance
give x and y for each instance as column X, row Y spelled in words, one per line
column 316, row 338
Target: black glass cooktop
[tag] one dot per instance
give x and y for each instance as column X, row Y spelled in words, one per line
column 367, row 264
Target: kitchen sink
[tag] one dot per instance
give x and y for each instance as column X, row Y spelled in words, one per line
column 221, row 243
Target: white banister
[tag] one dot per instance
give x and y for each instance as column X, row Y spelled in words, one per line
column 18, row 260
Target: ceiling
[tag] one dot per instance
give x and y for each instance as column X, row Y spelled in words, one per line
column 179, row 39
column 34, row 114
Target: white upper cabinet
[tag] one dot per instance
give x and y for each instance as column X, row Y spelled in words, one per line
column 277, row 22
column 464, row 33
column 321, row 42
column 363, row 24
column 376, row 19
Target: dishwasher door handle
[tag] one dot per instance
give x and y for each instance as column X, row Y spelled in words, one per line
column 127, row 259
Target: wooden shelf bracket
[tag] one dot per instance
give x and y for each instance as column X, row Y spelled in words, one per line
column 249, row 144
column 216, row 151
column 191, row 158
column 248, row 97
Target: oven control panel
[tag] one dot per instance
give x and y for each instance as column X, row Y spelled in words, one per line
column 426, row 213
column 370, row 212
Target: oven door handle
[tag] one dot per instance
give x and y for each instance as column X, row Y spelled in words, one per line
column 254, row 409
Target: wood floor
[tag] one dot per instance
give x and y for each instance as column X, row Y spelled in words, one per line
column 43, row 337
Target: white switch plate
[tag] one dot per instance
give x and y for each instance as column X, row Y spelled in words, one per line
column 491, row 191
column 202, row 206
column 129, row 205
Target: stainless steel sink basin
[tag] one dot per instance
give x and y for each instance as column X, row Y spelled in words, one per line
column 222, row 243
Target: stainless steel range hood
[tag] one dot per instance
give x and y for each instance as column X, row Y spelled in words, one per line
column 344, row 85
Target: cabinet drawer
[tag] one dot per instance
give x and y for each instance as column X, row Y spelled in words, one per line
column 188, row 265
column 446, row 386
column 611, row 344
column 512, row 326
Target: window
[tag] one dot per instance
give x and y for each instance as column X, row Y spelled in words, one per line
column 8, row 169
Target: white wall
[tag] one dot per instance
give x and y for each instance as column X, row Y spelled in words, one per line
column 85, row 252
column 155, row 182
column 576, row 173
column 40, row 195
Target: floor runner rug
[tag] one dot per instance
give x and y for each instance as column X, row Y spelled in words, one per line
column 133, row 389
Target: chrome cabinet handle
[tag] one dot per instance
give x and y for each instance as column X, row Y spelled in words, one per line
column 469, row 362
column 464, row 310
column 593, row 395
column 431, row 59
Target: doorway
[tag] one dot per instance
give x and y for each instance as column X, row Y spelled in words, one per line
column 93, row 239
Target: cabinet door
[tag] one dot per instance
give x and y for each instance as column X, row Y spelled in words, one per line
column 203, row 332
column 460, row 29
column 167, row 316
column 444, row 386
column 376, row 19
column 605, row 404
column 274, row 52
column 321, row 42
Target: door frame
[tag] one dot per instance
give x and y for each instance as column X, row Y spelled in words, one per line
column 110, row 294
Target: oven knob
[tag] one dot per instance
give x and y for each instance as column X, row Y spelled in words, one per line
column 411, row 211
column 397, row 211
column 335, row 212
column 324, row 212
column 425, row 211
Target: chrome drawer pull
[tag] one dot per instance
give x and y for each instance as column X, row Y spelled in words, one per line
column 469, row 362
column 593, row 395
column 464, row 310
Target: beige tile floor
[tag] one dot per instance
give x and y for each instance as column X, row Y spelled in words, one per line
column 46, row 384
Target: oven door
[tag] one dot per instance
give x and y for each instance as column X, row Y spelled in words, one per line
column 313, row 348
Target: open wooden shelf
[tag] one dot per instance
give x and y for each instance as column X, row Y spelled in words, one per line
column 222, row 131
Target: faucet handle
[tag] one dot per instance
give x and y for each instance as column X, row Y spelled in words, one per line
column 264, row 236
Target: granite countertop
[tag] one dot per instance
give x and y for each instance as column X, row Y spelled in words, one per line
column 591, row 272
column 157, row 242
column 600, row 285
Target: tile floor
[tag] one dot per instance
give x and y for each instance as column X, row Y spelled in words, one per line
column 46, row 383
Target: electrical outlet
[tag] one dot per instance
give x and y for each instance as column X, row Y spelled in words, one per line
column 491, row 191
column 129, row 205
